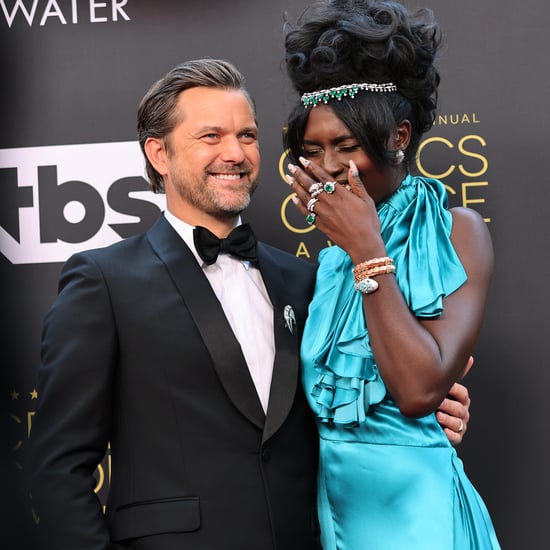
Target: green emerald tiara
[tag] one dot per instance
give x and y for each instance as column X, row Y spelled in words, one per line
column 314, row 98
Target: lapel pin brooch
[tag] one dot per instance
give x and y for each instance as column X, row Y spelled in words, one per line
column 290, row 319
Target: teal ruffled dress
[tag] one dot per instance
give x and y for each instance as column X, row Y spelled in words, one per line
column 387, row 482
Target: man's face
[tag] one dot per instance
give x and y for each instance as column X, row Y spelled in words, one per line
column 212, row 154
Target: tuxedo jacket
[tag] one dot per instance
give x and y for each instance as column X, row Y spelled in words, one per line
column 137, row 352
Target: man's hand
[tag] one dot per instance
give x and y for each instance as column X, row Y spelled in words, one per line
column 454, row 413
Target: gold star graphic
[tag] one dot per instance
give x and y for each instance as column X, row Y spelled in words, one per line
column 34, row 394
column 14, row 395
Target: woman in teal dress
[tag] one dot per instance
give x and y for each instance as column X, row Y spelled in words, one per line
column 400, row 295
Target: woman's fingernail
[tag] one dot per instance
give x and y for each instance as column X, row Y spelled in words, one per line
column 304, row 161
column 289, row 179
column 292, row 168
column 353, row 169
column 295, row 200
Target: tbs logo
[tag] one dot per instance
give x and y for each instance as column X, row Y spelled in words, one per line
column 59, row 200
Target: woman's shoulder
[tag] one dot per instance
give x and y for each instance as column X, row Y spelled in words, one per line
column 471, row 239
column 468, row 221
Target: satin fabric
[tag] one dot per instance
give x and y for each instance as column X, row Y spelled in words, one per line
column 387, row 481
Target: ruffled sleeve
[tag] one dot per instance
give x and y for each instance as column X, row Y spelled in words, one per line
column 340, row 375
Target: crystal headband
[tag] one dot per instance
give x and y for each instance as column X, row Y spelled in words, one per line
column 313, row 98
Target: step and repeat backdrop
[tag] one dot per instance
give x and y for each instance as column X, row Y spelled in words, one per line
column 72, row 178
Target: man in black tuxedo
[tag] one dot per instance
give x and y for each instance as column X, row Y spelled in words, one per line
column 180, row 348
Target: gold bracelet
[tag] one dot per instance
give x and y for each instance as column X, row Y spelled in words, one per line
column 373, row 267
column 381, row 270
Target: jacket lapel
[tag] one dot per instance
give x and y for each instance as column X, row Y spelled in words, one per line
column 284, row 383
column 210, row 319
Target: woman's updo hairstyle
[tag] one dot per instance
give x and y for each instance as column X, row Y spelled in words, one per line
column 355, row 41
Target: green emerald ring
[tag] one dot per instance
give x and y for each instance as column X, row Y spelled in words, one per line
column 329, row 187
column 310, row 218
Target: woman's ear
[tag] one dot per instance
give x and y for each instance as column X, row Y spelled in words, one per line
column 403, row 136
column 155, row 150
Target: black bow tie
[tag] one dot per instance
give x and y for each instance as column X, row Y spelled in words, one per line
column 240, row 243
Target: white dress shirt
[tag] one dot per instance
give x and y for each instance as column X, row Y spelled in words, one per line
column 241, row 291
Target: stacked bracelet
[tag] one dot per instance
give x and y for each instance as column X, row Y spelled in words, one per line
column 363, row 273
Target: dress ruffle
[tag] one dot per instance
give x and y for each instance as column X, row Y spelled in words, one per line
column 416, row 228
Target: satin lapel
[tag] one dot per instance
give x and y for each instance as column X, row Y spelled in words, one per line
column 285, row 369
column 208, row 315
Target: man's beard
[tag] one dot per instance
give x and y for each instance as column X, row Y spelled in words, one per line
column 214, row 202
